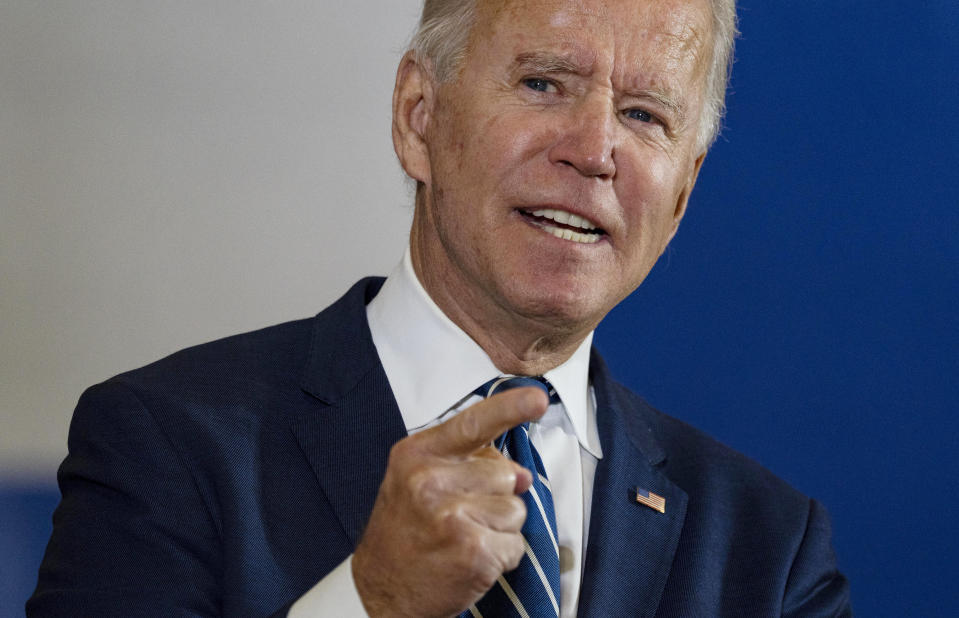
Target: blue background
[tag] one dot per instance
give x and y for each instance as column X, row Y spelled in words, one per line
column 805, row 313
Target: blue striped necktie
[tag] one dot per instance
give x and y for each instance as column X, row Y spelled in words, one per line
column 532, row 589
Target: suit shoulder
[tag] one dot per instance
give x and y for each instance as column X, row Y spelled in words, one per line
column 247, row 378
column 242, row 378
column 270, row 350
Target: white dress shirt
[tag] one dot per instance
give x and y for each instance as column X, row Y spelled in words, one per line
column 433, row 367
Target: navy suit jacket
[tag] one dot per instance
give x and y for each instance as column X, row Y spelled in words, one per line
column 227, row 479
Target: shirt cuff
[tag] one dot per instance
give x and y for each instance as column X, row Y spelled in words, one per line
column 334, row 595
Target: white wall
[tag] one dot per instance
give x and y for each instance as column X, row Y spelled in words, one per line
column 176, row 171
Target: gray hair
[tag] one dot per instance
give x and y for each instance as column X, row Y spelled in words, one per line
column 440, row 42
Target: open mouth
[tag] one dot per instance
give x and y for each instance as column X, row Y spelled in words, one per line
column 565, row 225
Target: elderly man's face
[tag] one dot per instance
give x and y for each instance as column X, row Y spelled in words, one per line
column 558, row 164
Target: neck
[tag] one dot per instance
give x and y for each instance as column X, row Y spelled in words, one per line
column 516, row 344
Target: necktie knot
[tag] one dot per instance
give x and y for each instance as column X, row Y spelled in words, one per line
column 505, row 383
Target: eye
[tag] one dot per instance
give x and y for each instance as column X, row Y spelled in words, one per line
column 639, row 114
column 539, row 84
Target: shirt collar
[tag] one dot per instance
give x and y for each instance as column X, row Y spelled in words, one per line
column 432, row 364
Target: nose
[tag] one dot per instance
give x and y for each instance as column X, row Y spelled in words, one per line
column 586, row 142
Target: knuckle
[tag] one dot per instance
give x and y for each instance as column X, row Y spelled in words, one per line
column 477, row 559
column 469, row 427
column 424, row 483
column 518, row 512
column 474, row 548
column 516, row 554
column 452, row 518
column 400, row 452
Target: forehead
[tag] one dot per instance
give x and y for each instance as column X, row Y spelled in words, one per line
column 627, row 38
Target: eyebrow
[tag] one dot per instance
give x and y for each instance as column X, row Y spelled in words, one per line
column 547, row 62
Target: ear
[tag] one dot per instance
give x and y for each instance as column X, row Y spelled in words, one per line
column 683, row 199
column 412, row 108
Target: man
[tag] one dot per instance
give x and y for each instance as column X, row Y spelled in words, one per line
column 342, row 465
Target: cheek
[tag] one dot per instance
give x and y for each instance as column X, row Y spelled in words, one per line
column 646, row 189
column 505, row 143
column 648, row 193
column 658, row 172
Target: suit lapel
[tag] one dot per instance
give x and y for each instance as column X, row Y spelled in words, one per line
column 630, row 548
column 347, row 438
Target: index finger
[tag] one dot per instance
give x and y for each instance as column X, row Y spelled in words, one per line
column 483, row 422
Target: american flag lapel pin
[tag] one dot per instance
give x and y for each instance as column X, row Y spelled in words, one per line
column 653, row 501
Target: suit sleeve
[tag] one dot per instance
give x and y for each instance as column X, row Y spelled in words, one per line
column 126, row 540
column 815, row 586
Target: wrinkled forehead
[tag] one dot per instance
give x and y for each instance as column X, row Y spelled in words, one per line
column 626, row 34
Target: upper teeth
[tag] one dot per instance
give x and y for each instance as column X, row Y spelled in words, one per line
column 589, row 235
column 561, row 216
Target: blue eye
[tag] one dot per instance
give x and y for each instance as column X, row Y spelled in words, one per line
column 639, row 114
column 538, row 84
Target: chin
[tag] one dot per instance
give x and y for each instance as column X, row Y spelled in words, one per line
column 566, row 308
